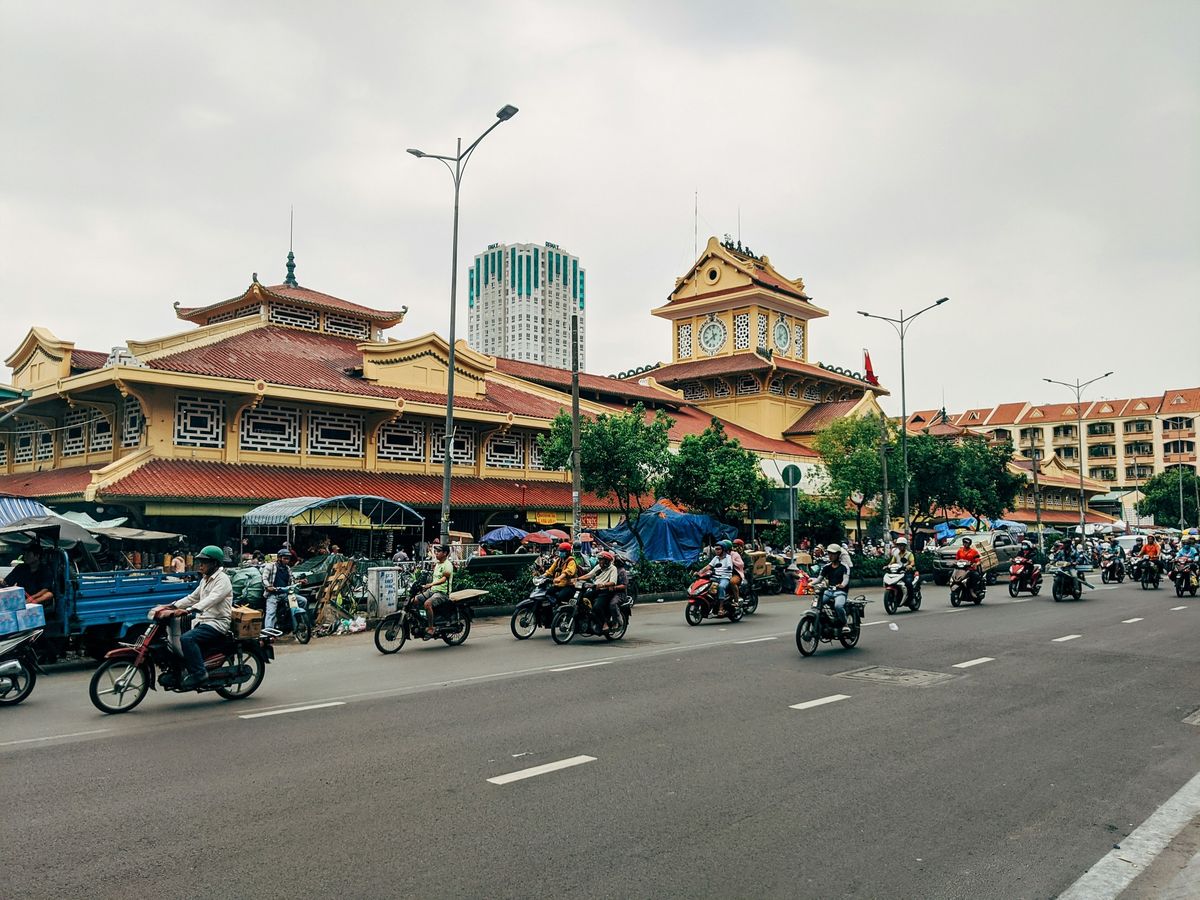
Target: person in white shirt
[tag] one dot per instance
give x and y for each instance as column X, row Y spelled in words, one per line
column 212, row 603
column 721, row 567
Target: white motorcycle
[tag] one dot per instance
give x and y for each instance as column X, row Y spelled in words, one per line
column 895, row 590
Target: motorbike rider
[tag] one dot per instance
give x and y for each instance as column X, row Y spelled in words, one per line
column 607, row 586
column 34, row 576
column 721, row 568
column 903, row 555
column 1189, row 550
column 438, row 592
column 1152, row 552
column 276, row 579
column 837, row 578
column 971, row 555
column 562, row 571
column 739, row 566
column 212, row 604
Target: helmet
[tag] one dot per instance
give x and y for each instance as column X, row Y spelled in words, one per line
column 902, row 542
column 966, row 542
column 1025, row 545
column 565, row 545
column 213, row 554
column 738, row 542
column 728, row 545
column 283, row 552
column 833, row 548
column 604, row 554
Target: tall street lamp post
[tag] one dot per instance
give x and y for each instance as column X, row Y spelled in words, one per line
column 1078, row 387
column 456, row 165
column 901, row 326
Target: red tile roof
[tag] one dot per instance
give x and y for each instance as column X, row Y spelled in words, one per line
column 309, row 359
column 1005, row 414
column 1190, row 404
column 46, row 484
column 302, row 294
column 212, row 482
column 88, row 359
column 821, row 416
column 560, row 379
column 1126, row 408
column 690, row 420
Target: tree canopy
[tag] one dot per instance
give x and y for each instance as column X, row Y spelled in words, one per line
column 714, row 474
column 1160, row 497
column 850, row 451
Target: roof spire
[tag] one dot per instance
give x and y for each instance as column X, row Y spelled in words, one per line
column 290, row 279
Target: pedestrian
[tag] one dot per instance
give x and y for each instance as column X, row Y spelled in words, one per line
column 179, row 562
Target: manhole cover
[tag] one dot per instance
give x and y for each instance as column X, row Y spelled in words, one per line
column 891, row 675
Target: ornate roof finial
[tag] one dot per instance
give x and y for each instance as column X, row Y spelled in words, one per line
column 290, row 279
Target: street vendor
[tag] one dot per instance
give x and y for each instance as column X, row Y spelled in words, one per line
column 34, row 575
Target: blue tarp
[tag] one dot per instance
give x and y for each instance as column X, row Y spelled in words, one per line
column 13, row 509
column 503, row 533
column 667, row 534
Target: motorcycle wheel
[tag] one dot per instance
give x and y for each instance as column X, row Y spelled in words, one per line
column 104, row 690
column 390, row 634
column 562, row 629
column 1145, row 582
column 258, row 669
column 735, row 612
column 1104, row 576
column 851, row 639
column 1013, row 587
column 1037, row 588
column 1057, row 591
column 915, row 603
column 693, row 614
column 889, row 602
column 302, row 631
column 454, row 640
column 1179, row 587
column 22, row 686
column 977, row 599
column 750, row 607
column 617, row 632
column 806, row 637
column 955, row 597
column 1121, row 578
column 523, row 623
column 1077, row 593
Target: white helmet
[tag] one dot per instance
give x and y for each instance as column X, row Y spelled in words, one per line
column 902, row 540
column 833, row 548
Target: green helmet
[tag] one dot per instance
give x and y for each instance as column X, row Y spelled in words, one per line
column 728, row 545
column 214, row 554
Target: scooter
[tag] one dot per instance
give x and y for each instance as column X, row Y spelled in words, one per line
column 452, row 625
column 1183, row 575
column 819, row 623
column 1069, row 581
column 536, row 610
column 1111, row 568
column 577, row 616
column 18, row 666
column 1024, row 575
column 234, row 669
column 963, row 588
column 895, row 593
column 703, row 603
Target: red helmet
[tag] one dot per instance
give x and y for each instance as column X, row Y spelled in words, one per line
column 738, row 542
column 565, row 545
column 604, row 554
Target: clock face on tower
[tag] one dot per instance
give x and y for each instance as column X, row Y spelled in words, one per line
column 783, row 337
column 712, row 336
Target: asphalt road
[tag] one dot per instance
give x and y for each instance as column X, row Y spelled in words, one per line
column 692, row 774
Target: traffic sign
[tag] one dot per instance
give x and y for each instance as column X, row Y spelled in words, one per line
column 791, row 475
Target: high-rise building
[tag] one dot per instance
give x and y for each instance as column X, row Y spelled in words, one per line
column 520, row 299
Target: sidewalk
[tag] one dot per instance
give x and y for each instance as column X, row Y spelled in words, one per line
column 1175, row 874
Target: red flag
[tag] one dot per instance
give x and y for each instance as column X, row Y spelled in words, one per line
column 871, row 379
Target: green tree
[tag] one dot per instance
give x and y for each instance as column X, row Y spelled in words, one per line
column 1160, row 497
column 622, row 455
column 713, row 473
column 934, row 474
column 986, row 486
column 817, row 518
column 849, row 449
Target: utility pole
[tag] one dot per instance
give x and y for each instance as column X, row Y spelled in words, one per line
column 1078, row 387
column 575, row 518
column 1037, row 495
column 883, row 449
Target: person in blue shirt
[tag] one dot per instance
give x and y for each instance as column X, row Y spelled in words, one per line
column 1189, row 550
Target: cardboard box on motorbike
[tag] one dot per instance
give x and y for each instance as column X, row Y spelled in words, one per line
column 988, row 560
column 247, row 622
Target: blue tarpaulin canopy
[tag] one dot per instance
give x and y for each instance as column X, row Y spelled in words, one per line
column 13, row 509
column 503, row 533
column 667, row 534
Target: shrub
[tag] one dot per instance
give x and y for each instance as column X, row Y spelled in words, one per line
column 502, row 591
column 662, row 577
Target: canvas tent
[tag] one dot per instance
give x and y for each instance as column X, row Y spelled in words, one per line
column 667, row 534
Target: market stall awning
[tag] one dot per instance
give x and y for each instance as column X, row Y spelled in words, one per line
column 15, row 508
column 343, row 511
column 48, row 529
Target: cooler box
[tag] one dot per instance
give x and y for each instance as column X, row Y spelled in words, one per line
column 383, row 584
column 247, row 622
column 32, row 616
column 8, row 623
column 12, row 599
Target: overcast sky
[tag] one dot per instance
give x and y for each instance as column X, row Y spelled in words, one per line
column 1035, row 162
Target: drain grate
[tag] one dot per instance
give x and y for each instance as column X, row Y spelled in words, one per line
column 892, row 675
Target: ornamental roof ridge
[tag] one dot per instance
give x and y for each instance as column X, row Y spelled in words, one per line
column 286, row 293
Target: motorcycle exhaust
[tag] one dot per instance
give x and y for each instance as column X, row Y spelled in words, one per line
column 12, row 667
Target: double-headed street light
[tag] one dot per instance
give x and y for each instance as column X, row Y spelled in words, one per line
column 1078, row 387
column 456, row 170
column 901, row 325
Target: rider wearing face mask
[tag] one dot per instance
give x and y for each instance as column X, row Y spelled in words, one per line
column 607, row 585
column 563, row 571
column 837, row 575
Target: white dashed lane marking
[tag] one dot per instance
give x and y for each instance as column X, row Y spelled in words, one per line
column 1177, row 608
column 293, row 709
column 1130, row 621
column 973, row 662
column 1066, row 637
column 522, row 774
column 757, row 640
column 809, row 704
column 591, row 665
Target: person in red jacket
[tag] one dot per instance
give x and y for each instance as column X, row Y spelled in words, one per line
column 971, row 555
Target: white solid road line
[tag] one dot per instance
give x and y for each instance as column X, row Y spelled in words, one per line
column 758, row 640
column 1066, row 637
column 880, row 622
column 973, row 662
column 603, row 662
column 53, row 737
column 809, row 704
column 1176, row 608
column 541, row 770
column 292, row 709
column 1130, row 621
column 1121, row 865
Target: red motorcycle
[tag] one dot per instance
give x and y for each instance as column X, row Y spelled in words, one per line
column 1024, row 575
column 234, row 670
column 703, row 604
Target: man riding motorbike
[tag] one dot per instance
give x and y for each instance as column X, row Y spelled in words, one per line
column 971, row 555
column 562, row 572
column 721, row 567
column 1152, row 551
column 438, row 591
column 903, row 555
column 837, row 578
column 276, row 579
column 607, row 586
column 212, row 602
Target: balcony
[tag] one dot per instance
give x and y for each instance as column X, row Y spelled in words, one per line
column 1172, row 459
column 1067, row 438
column 1101, row 429
column 1139, row 426
column 1102, row 451
column 1035, row 438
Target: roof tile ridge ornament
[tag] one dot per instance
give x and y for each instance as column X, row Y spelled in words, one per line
column 290, row 278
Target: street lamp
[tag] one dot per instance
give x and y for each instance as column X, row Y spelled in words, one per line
column 1077, row 387
column 456, row 173
column 901, row 325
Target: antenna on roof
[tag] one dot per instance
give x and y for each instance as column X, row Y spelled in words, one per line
column 696, row 226
column 290, row 278
column 739, row 225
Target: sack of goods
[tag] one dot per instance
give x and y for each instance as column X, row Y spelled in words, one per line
column 12, row 599
column 32, row 616
column 247, row 622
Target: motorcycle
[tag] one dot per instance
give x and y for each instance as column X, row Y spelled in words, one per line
column 18, row 666
column 1069, row 581
column 1024, row 575
column 1111, row 568
column 534, row 611
column 894, row 589
column 1183, row 575
column 412, row 620
column 748, row 596
column 819, row 623
column 577, row 616
column 1146, row 571
column 234, row 669
column 703, row 603
column 963, row 587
